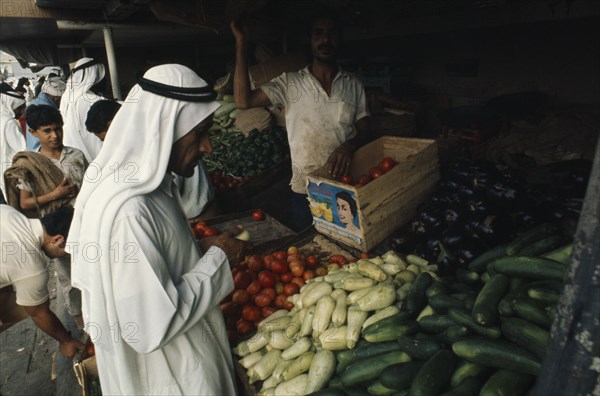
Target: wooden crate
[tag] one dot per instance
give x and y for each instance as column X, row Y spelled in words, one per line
column 385, row 203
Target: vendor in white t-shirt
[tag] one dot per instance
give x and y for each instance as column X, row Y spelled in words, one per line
column 323, row 104
column 27, row 245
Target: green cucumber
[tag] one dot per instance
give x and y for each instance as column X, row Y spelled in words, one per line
column 485, row 277
column 552, row 286
column 435, row 323
column 435, row 289
column 526, row 334
column 457, row 287
column 390, row 320
column 541, row 246
column 467, row 277
column 400, row 376
column 530, row 236
column 470, row 386
column 530, row 267
column 416, row 349
column 485, row 310
column 531, row 310
column 551, row 312
column 561, row 255
column 466, row 369
column 452, row 334
column 366, row 370
column 434, row 375
column 335, row 382
column 543, row 295
column 376, row 349
column 329, row 392
column 507, row 383
column 441, row 303
column 462, row 318
column 518, row 288
column 497, row 353
column 416, row 299
column 344, row 358
column 355, row 391
column 378, row 389
column 390, row 332
column 480, row 263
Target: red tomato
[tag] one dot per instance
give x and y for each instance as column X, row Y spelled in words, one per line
column 338, row 259
column 387, row 164
column 280, row 255
column 364, row 255
column 267, row 260
column 279, row 266
column 280, row 300
column 267, row 311
column 287, row 277
column 243, row 327
column 208, row 232
column 292, row 250
column 254, row 288
column 255, row 263
column 296, row 268
column 358, row 185
column 258, row 215
column 240, row 297
column 270, row 292
column 288, row 305
column 251, row 313
column 292, row 257
column 298, row 280
column 290, row 289
column 375, row 172
column 242, row 280
column 346, row 179
column 311, row 261
column 262, row 299
column 321, row 271
column 266, row 279
column 308, row 274
column 364, row 179
column 200, row 226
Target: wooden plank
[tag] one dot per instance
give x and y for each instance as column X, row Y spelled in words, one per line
column 261, row 232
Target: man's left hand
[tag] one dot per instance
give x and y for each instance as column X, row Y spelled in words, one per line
column 234, row 248
column 338, row 163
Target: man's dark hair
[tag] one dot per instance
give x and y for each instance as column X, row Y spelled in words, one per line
column 323, row 14
column 58, row 222
column 100, row 114
column 40, row 115
column 345, row 196
column 22, row 81
column 20, row 89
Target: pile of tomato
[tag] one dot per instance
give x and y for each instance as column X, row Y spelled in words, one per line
column 262, row 285
column 375, row 172
column 202, row 230
column 223, row 182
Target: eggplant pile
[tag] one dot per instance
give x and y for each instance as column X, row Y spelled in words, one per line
column 478, row 206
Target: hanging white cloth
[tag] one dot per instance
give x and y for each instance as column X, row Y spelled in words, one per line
column 11, row 137
column 150, row 298
column 74, row 105
column 195, row 191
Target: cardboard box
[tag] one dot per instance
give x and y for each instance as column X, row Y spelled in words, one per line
column 363, row 217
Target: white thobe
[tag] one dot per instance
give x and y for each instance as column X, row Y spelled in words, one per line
column 166, row 295
column 75, row 133
column 11, row 142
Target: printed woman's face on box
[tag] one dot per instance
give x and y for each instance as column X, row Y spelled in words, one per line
column 344, row 212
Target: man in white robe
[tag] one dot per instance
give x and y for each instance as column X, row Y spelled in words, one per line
column 75, row 103
column 150, row 297
column 12, row 105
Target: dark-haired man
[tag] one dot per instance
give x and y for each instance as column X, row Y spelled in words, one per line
column 26, row 246
column 99, row 117
column 323, row 104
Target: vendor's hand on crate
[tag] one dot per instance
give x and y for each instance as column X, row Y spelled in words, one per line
column 234, row 248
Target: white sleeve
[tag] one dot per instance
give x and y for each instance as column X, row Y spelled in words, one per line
column 276, row 90
column 361, row 103
column 14, row 138
column 147, row 298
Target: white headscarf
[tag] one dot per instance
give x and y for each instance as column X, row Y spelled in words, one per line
column 76, row 101
column 11, row 137
column 141, row 136
column 54, row 86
